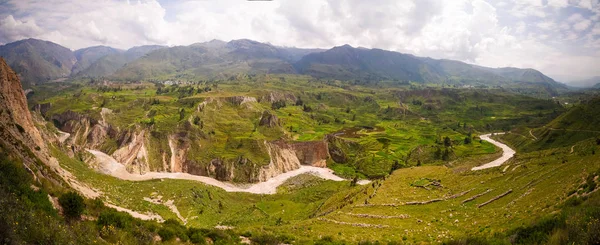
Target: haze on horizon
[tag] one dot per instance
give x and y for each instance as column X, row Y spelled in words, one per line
column 560, row 38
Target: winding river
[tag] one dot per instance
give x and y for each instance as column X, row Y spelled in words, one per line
column 507, row 153
column 108, row 165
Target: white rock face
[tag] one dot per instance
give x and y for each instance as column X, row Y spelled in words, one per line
column 108, row 165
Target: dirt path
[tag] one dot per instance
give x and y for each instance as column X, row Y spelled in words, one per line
column 147, row 216
column 572, row 130
column 169, row 204
column 507, row 153
column 531, row 133
column 572, row 149
column 90, row 193
column 110, row 166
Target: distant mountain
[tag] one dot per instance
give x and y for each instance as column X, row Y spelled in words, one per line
column 87, row 56
column 346, row 62
column 37, row 61
column 110, row 63
column 214, row 58
column 585, row 83
column 597, row 86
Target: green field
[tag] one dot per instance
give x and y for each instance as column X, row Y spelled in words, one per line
column 410, row 141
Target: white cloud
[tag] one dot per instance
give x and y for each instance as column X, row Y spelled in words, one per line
column 575, row 18
column 16, row 29
column 583, row 25
column 507, row 33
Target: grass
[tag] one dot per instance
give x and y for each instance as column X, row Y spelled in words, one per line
column 377, row 130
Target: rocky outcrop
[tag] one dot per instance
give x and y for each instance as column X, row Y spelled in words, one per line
column 86, row 132
column 268, row 119
column 19, row 136
column 277, row 96
column 133, row 154
column 14, row 106
column 290, row 156
column 179, row 146
column 240, row 100
column 283, row 159
column 218, row 102
column 42, row 109
column 314, row 153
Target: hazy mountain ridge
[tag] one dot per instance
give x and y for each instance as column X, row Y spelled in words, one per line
column 222, row 59
column 109, row 64
column 87, row 56
column 38, row 61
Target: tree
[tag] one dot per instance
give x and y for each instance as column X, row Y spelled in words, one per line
column 447, row 142
column 181, row 114
column 395, row 166
column 467, row 140
column 438, row 153
column 72, row 204
column 446, row 155
column 354, row 181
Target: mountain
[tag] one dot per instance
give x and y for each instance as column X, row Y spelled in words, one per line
column 225, row 59
column 586, row 83
column 292, row 54
column 110, row 63
column 213, row 58
column 87, row 56
column 346, row 62
column 37, row 61
column 597, row 86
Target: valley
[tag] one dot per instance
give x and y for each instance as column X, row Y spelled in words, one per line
column 246, row 142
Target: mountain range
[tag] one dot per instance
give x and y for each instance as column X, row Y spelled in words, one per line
column 38, row 61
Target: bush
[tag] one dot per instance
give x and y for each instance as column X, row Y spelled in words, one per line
column 115, row 218
column 266, row 239
column 197, row 236
column 72, row 204
column 166, row 233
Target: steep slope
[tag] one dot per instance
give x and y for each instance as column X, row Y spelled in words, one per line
column 110, row 63
column 87, row 56
column 577, row 124
column 15, row 120
column 38, row 61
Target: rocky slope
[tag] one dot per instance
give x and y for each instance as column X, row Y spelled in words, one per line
column 19, row 136
column 132, row 147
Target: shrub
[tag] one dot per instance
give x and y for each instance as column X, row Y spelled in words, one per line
column 266, row 239
column 72, row 204
column 166, row 233
column 115, row 218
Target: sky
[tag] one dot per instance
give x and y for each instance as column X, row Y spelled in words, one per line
column 561, row 38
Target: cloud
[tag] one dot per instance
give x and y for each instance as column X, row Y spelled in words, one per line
column 583, row 25
column 13, row 30
column 494, row 33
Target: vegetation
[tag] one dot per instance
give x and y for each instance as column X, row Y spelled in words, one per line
column 72, row 204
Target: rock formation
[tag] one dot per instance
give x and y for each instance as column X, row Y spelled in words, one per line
column 268, row 119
